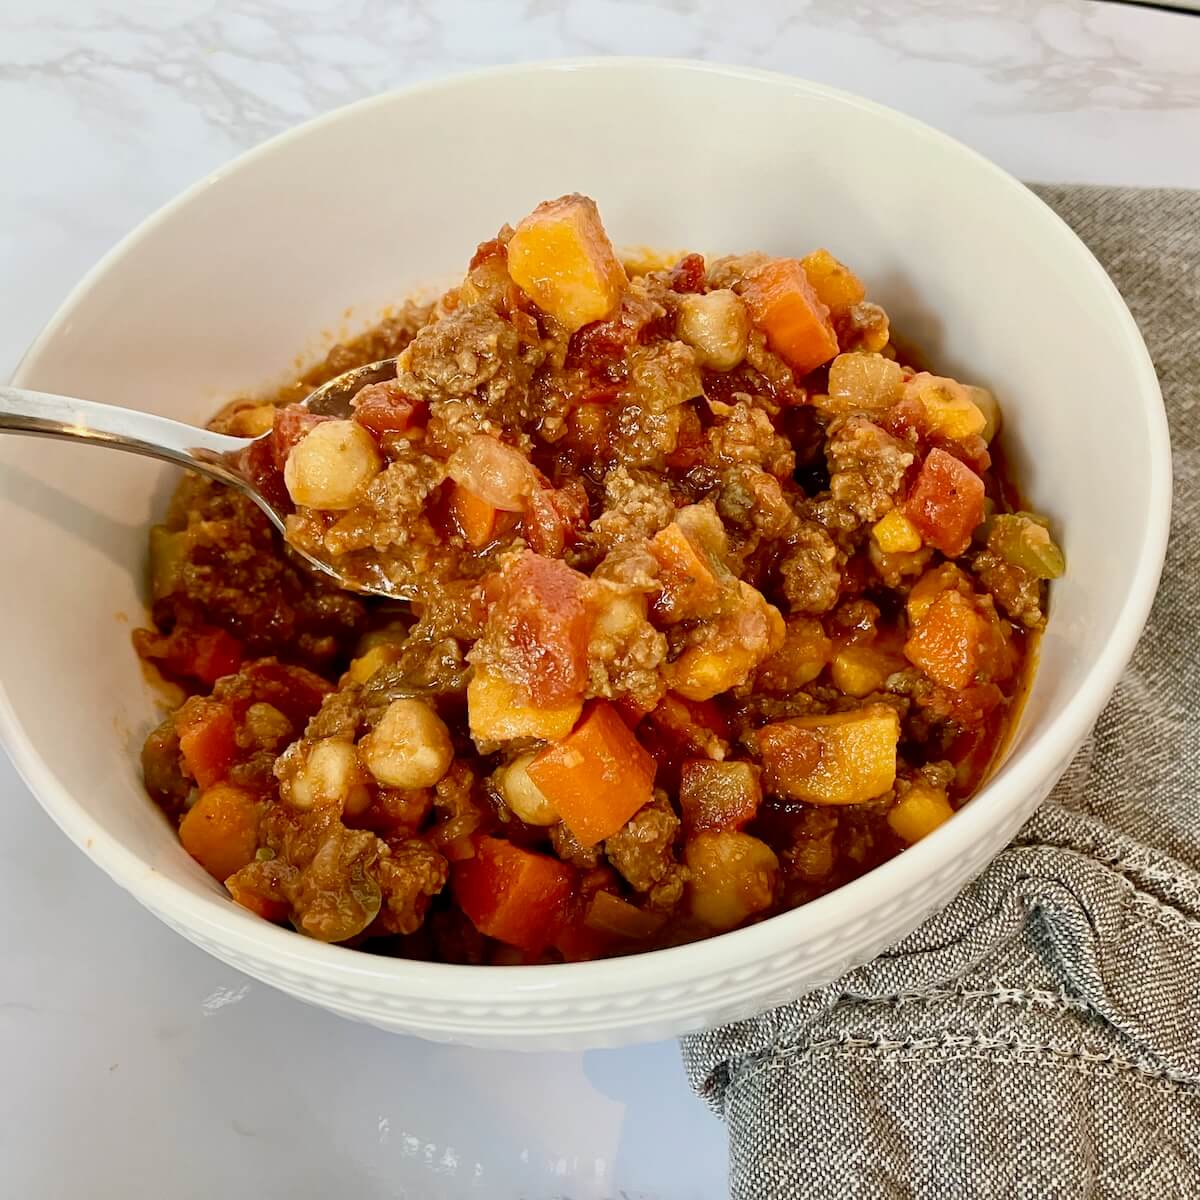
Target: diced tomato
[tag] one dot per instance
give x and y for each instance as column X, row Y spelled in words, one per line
column 517, row 896
column 946, row 502
column 688, row 274
column 383, row 408
column 493, row 248
column 597, row 777
column 207, row 739
column 546, row 624
column 192, row 652
column 577, row 942
column 258, row 465
column 295, row 691
column 554, row 517
column 292, row 422
column 718, row 795
column 678, row 730
column 473, row 516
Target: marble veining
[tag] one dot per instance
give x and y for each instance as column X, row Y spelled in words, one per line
column 137, row 1065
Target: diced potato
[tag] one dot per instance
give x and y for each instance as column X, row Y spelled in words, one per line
column 949, row 410
column 732, row 645
column 326, row 772
column 860, row 670
column 499, row 712
column 410, row 747
column 375, row 659
column 524, row 796
column 717, row 327
column 732, row 877
column 805, row 652
column 253, row 421
column 841, row 758
column 919, row 812
column 988, row 405
column 1023, row 540
column 835, row 284
column 330, row 467
column 894, row 533
column 947, row 641
column 863, row 383
column 718, row 795
column 561, row 258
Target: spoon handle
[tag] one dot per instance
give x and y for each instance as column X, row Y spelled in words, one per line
column 44, row 415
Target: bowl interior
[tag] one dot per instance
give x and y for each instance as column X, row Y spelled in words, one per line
column 311, row 236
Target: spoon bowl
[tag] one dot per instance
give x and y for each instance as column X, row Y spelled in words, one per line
column 220, row 456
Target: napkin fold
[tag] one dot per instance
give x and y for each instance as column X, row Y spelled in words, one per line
column 1041, row 1036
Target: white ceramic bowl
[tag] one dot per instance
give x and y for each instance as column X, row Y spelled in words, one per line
column 218, row 292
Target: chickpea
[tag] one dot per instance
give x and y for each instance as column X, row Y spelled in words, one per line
column 409, row 748
column 717, row 326
column 324, row 772
column 522, row 795
column 331, row 465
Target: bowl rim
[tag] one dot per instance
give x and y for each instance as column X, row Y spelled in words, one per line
column 882, row 887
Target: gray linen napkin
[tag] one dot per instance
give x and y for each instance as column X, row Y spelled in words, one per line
column 1041, row 1037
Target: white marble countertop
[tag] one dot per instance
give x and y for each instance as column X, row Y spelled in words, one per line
column 133, row 1064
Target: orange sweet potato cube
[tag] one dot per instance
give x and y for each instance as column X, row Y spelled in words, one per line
column 499, row 711
column 839, row 758
column 835, row 284
column 561, row 258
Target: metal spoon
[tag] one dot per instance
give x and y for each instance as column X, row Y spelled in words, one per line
column 216, row 455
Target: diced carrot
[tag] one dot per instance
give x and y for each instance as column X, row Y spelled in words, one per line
column 474, row 517
column 835, row 284
column 514, row 895
column 946, row 502
column 690, row 587
column 220, row 831
column 206, row 739
column 718, row 795
column 597, row 777
column 948, row 641
column 786, row 307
